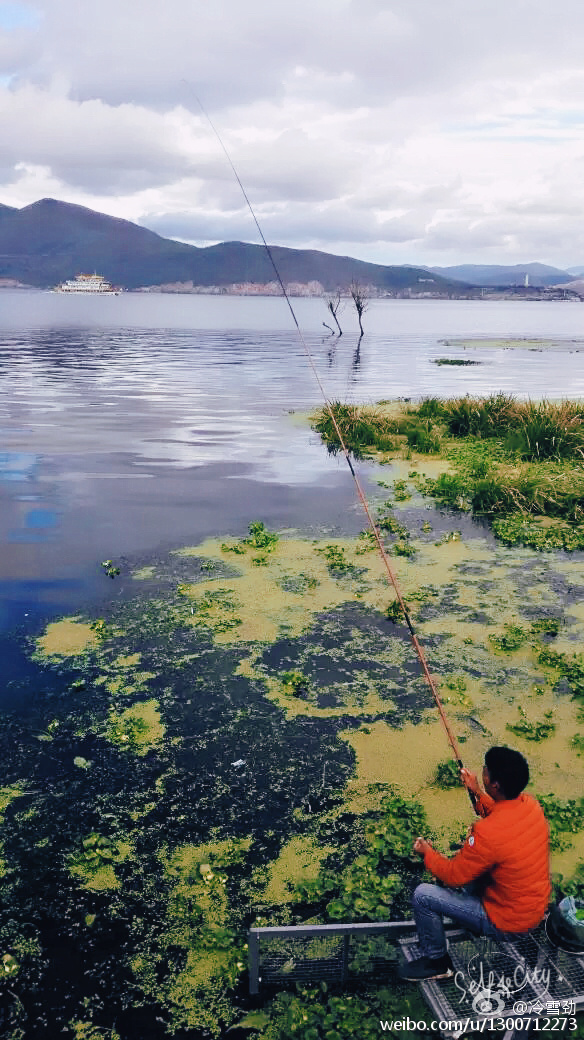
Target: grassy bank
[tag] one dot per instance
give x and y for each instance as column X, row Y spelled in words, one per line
column 517, row 463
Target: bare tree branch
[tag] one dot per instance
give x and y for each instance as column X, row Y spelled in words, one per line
column 333, row 303
column 360, row 297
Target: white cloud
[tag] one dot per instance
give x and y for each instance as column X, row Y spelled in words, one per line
column 398, row 131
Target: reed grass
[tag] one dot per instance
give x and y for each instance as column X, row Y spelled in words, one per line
column 365, row 428
column 361, row 427
column 526, row 488
column 530, row 429
column 512, row 458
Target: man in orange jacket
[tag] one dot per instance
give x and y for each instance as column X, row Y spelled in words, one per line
column 505, row 857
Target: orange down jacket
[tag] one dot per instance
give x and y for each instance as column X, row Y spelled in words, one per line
column 510, row 849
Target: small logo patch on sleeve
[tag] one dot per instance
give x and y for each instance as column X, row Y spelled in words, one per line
column 471, row 840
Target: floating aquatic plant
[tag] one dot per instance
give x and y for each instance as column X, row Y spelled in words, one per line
column 447, row 775
column 368, row 886
column 531, row 730
column 296, row 684
column 454, row 361
column 577, row 743
column 403, row 548
column 367, row 543
column 10, row 965
column 235, row 547
column 570, row 668
column 564, row 817
column 524, row 529
column 110, row 568
column 97, row 849
column 312, row 1013
column 215, row 610
column 548, row 626
column 259, row 538
column 338, row 563
column 335, row 557
column 100, row 628
column 512, row 638
column 388, row 522
column 400, row 490
column 394, row 612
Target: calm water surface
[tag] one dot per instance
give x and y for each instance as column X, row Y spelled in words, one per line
column 133, row 423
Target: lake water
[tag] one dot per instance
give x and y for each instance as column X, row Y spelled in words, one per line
column 133, row 423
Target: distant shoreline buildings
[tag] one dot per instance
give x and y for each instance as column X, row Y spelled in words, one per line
column 314, row 290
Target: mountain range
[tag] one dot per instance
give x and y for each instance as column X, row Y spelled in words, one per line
column 49, row 241
column 499, row 275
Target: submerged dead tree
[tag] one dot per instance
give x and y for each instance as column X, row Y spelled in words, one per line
column 333, row 303
column 360, row 297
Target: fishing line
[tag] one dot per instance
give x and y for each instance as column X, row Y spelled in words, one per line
column 372, row 525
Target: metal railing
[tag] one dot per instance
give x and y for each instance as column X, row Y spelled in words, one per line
column 287, row 954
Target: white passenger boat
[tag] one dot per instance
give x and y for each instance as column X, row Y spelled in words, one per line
column 88, row 283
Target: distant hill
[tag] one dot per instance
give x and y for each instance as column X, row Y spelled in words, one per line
column 49, row 241
column 577, row 286
column 495, row 274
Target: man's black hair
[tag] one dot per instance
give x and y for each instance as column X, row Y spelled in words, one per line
column 509, row 769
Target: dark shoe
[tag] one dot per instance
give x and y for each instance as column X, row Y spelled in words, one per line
column 426, row 968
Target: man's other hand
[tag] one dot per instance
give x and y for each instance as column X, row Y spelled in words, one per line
column 421, row 846
column 470, row 780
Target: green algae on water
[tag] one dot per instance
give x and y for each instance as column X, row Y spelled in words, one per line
column 69, row 637
column 299, row 860
column 138, row 729
column 516, row 343
column 93, row 863
column 272, row 768
column 8, row 794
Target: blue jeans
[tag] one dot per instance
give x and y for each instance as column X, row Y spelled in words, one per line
column 430, row 903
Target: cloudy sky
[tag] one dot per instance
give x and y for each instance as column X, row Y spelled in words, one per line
column 399, row 131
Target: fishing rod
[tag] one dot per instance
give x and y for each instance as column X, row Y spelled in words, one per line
column 361, row 494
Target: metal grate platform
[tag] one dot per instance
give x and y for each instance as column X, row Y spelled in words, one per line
column 525, row 978
column 504, row 980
